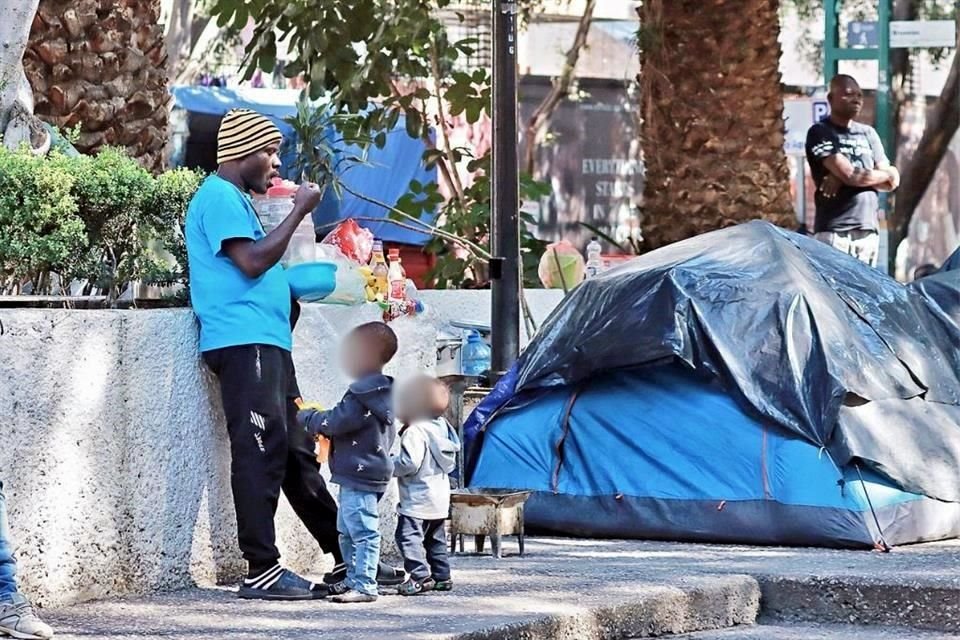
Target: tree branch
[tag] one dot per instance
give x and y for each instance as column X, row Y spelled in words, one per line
column 405, row 225
column 475, row 249
column 17, row 122
column 560, row 89
column 447, row 171
column 920, row 170
column 442, row 124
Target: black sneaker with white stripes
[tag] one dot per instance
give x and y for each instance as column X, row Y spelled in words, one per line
column 277, row 583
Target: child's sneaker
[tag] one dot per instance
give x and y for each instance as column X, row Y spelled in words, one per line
column 18, row 620
column 354, row 597
column 386, row 575
column 415, row 587
column 443, row 585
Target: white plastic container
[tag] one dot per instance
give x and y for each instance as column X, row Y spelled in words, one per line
column 594, row 266
column 273, row 210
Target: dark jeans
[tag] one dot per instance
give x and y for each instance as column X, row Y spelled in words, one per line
column 8, row 567
column 423, row 544
column 269, row 451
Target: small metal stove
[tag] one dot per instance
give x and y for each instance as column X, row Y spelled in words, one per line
column 485, row 513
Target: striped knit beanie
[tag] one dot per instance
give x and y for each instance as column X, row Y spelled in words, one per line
column 244, row 132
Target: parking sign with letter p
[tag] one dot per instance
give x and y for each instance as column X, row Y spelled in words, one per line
column 821, row 109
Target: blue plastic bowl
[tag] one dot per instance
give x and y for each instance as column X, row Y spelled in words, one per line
column 312, row 281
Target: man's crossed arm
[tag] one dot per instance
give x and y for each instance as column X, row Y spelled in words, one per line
column 842, row 172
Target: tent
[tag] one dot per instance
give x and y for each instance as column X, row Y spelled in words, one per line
column 385, row 177
column 751, row 385
column 952, row 263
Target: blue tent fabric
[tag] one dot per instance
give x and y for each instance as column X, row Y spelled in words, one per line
column 664, row 452
column 385, row 176
column 747, row 385
column 952, row 263
column 798, row 333
column 942, row 292
column 276, row 104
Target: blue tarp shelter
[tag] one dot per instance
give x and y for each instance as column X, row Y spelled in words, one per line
column 952, row 263
column 384, row 178
column 746, row 386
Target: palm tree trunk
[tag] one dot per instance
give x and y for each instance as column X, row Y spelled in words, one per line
column 101, row 64
column 712, row 127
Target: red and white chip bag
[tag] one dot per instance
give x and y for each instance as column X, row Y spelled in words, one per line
column 355, row 242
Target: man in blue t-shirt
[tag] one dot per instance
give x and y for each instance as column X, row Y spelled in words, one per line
column 849, row 167
column 243, row 302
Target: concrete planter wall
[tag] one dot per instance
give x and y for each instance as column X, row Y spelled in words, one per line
column 114, row 456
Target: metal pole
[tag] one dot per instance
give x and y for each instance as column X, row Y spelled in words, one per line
column 504, row 218
column 884, row 119
column 884, row 122
column 831, row 41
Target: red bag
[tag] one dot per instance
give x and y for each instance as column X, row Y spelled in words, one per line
column 355, row 242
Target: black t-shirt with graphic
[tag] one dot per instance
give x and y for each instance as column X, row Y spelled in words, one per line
column 853, row 207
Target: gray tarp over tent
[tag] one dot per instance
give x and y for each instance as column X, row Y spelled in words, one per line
column 952, row 263
column 797, row 332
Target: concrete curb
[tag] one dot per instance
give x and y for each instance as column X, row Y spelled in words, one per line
column 719, row 603
column 850, row 600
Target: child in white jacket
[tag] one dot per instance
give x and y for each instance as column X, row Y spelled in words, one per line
column 428, row 453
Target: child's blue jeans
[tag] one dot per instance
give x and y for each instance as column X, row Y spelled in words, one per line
column 358, row 521
column 8, row 568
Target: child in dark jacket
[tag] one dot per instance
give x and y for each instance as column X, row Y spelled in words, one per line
column 362, row 432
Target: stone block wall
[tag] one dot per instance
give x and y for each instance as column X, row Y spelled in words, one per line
column 114, row 454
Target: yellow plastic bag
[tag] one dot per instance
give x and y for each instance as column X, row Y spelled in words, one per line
column 322, row 449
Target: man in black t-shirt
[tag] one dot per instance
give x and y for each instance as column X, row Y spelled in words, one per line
column 849, row 167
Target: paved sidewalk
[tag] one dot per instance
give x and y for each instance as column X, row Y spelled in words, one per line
column 818, row 632
column 561, row 589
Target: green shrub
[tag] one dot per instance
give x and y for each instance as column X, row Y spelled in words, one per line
column 41, row 233
column 111, row 191
column 102, row 220
column 166, row 209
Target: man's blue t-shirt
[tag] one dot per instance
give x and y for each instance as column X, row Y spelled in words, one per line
column 233, row 309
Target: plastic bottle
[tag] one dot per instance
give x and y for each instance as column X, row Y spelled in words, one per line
column 594, row 260
column 381, row 273
column 273, row 208
column 475, row 355
column 396, row 278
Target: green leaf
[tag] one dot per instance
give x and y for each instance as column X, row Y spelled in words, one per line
column 431, row 157
column 268, row 56
column 474, row 111
column 414, row 124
